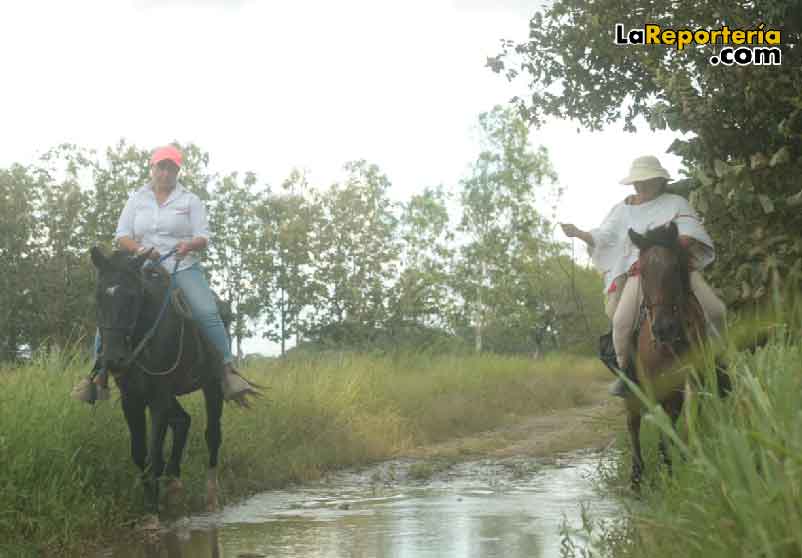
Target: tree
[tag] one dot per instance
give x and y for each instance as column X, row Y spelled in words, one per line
column 234, row 229
column 743, row 150
column 422, row 295
column 21, row 189
column 505, row 233
column 356, row 248
column 289, row 222
column 124, row 169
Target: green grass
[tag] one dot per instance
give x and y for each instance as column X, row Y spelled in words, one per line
column 67, row 482
column 738, row 490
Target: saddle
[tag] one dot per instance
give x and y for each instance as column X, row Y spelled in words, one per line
column 197, row 341
column 161, row 276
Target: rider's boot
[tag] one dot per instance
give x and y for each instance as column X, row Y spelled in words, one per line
column 235, row 387
column 94, row 387
column 607, row 355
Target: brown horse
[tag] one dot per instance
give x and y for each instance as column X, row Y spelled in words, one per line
column 671, row 323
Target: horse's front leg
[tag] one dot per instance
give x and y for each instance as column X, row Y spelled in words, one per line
column 633, row 424
column 213, row 395
column 159, row 421
column 179, row 421
column 134, row 411
column 673, row 408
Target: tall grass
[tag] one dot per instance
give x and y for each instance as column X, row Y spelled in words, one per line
column 737, row 491
column 66, row 479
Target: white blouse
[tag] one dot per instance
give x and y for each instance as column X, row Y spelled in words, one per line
column 181, row 217
column 613, row 253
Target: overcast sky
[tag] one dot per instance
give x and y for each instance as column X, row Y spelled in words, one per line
column 267, row 86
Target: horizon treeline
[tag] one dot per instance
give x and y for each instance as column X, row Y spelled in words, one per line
column 469, row 267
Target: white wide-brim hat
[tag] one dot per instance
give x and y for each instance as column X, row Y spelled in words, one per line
column 644, row 168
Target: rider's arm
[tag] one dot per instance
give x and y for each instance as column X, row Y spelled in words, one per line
column 129, row 244
column 585, row 237
column 572, row 231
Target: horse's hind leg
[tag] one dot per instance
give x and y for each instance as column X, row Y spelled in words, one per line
column 213, row 395
column 633, row 424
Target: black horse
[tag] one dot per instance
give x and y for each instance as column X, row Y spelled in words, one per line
column 155, row 353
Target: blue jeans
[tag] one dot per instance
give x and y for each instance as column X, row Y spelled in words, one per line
column 204, row 310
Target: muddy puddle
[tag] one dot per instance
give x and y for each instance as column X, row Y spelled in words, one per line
column 412, row 509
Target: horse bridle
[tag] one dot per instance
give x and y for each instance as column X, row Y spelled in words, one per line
column 132, row 359
column 650, row 306
column 128, row 329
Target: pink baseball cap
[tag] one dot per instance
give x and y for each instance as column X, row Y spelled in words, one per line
column 167, row 153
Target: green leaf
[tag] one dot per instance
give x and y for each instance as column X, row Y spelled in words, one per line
column 703, row 177
column 782, row 156
column 765, row 201
column 722, row 168
column 758, row 160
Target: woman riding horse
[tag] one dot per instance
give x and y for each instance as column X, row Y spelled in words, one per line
column 159, row 218
column 614, row 254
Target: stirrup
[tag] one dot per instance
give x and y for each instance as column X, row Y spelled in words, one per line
column 89, row 392
column 618, row 388
column 607, row 353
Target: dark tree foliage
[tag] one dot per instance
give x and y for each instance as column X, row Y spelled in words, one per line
column 741, row 125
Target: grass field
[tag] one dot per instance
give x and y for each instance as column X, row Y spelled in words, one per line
column 736, row 488
column 66, row 480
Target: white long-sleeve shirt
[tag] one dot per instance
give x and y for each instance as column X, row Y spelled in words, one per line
column 181, row 217
column 613, row 252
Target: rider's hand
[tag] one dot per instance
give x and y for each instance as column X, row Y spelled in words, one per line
column 182, row 249
column 153, row 254
column 570, row 230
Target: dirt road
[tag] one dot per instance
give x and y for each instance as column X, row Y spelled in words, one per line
column 588, row 427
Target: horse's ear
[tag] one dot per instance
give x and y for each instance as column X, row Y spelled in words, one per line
column 98, row 258
column 673, row 231
column 638, row 240
column 138, row 261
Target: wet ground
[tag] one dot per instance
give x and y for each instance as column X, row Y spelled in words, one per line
column 506, row 507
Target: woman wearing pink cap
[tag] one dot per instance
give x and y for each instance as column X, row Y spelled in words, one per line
column 614, row 254
column 162, row 216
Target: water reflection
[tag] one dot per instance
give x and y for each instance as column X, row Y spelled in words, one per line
column 177, row 543
column 483, row 509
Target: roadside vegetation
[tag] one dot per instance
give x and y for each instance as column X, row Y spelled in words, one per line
column 67, row 482
column 736, row 487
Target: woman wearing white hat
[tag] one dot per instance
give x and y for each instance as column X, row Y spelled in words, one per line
column 614, row 254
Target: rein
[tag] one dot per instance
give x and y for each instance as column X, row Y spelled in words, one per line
column 152, row 331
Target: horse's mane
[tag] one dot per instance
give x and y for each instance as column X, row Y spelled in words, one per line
column 154, row 278
column 662, row 236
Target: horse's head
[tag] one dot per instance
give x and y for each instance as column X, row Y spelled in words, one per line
column 665, row 281
column 119, row 297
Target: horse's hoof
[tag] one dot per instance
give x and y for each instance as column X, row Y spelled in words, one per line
column 150, row 524
column 212, row 505
column 174, row 492
column 212, row 488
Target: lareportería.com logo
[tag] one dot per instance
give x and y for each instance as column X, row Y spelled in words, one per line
column 758, row 46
